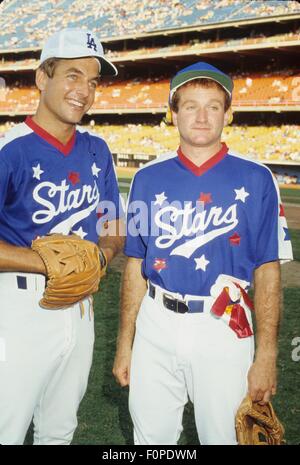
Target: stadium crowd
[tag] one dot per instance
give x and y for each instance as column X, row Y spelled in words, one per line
column 257, row 142
column 39, row 18
column 192, row 46
column 266, row 89
column 262, row 143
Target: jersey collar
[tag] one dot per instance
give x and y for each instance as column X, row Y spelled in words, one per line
column 198, row 170
column 65, row 149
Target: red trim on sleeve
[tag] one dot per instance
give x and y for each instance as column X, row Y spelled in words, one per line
column 198, row 170
column 65, row 149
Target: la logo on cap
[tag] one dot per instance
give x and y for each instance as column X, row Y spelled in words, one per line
column 91, row 42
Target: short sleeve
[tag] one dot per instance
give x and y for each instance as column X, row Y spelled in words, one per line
column 4, row 182
column 112, row 193
column 273, row 241
column 136, row 221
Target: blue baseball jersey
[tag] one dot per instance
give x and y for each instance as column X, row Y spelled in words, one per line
column 48, row 187
column 189, row 224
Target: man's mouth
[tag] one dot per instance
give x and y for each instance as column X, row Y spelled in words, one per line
column 76, row 103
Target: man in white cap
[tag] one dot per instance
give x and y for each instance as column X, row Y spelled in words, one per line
column 212, row 226
column 54, row 178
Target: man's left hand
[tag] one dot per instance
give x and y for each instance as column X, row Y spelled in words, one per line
column 262, row 380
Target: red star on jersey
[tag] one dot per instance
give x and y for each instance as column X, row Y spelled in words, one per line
column 100, row 214
column 281, row 210
column 205, row 197
column 74, row 177
column 159, row 264
column 235, row 239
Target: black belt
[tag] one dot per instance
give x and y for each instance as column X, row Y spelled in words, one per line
column 176, row 305
column 22, row 282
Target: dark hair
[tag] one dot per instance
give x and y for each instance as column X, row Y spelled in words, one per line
column 48, row 66
column 202, row 82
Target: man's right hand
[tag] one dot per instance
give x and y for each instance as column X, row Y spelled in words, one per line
column 121, row 368
column 24, row 259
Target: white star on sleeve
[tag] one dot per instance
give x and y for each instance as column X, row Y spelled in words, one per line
column 241, row 194
column 37, row 172
column 80, row 232
column 201, row 263
column 95, row 170
column 160, row 198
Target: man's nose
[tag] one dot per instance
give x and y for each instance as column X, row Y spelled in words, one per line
column 83, row 88
column 201, row 114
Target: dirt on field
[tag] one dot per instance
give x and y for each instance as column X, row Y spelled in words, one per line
column 292, row 213
column 290, row 272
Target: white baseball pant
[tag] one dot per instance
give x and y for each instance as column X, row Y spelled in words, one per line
column 45, row 359
column 176, row 356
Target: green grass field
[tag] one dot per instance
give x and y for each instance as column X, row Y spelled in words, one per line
column 295, row 236
column 290, row 195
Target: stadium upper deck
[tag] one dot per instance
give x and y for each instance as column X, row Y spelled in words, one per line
column 251, row 93
column 119, row 18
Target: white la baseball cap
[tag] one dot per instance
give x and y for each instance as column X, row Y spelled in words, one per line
column 77, row 43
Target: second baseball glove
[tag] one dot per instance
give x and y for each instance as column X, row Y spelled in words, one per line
column 258, row 424
column 73, row 269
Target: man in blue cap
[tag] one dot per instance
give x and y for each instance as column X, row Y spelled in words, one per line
column 212, row 226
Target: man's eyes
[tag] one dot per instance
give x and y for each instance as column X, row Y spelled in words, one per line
column 193, row 107
column 74, row 77
column 93, row 84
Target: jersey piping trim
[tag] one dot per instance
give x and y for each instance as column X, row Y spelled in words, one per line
column 91, row 133
column 14, row 133
column 244, row 158
column 65, row 149
column 199, row 170
column 160, row 159
column 285, row 252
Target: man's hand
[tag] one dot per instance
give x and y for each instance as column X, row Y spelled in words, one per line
column 24, row 259
column 133, row 290
column 121, row 368
column 262, row 380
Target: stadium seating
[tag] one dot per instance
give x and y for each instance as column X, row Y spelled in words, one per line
column 193, row 46
column 37, row 20
column 249, row 91
column 117, row 18
column 258, row 142
column 274, row 143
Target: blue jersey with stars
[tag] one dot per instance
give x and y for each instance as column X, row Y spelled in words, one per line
column 48, row 187
column 189, row 224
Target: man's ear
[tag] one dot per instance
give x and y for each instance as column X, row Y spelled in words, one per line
column 174, row 117
column 41, row 79
column 228, row 117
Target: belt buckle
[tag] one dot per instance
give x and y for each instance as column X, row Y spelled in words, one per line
column 168, row 296
column 177, row 302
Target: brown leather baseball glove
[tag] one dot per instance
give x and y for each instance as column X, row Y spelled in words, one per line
column 258, row 424
column 73, row 269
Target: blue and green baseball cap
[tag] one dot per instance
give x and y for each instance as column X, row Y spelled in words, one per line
column 201, row 70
